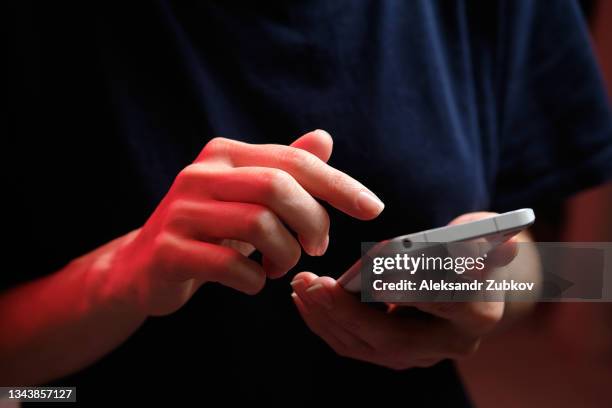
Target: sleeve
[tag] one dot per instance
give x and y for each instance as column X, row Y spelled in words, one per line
column 555, row 126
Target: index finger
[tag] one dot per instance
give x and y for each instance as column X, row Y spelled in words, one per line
column 317, row 177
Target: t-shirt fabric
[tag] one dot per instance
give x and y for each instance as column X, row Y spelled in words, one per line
column 440, row 108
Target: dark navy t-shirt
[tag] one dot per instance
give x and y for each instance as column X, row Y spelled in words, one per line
column 439, row 107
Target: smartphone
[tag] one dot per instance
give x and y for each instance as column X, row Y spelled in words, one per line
column 492, row 231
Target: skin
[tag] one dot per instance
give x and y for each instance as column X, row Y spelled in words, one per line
column 566, row 353
column 356, row 330
column 234, row 198
column 565, row 348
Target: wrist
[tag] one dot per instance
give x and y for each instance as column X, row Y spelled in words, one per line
column 112, row 280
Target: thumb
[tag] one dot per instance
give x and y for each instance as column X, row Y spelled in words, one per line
column 317, row 142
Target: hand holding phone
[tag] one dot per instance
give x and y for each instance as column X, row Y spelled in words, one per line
column 453, row 330
column 492, row 230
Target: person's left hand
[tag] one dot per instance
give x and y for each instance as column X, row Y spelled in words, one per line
column 356, row 330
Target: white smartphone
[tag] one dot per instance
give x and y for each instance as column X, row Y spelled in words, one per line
column 493, row 230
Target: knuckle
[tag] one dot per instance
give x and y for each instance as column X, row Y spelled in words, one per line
column 261, row 222
column 190, row 173
column 174, row 216
column 276, row 183
column 188, row 170
column 177, row 208
column 215, row 146
column 298, row 159
column 191, row 170
column 164, row 249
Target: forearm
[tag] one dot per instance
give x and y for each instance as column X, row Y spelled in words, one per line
column 61, row 323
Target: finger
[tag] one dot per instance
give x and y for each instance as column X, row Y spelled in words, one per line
column 243, row 222
column 318, row 178
column 272, row 188
column 184, row 259
column 317, row 142
column 307, row 277
column 333, row 341
column 370, row 325
column 348, row 345
column 342, row 342
column 244, row 248
column 472, row 317
column 503, row 254
column 300, row 283
column 391, row 337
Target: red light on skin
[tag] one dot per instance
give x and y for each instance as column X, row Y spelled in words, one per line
column 234, row 198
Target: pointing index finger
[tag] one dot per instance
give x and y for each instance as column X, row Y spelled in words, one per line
column 318, row 178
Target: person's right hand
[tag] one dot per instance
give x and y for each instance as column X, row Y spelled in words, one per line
column 236, row 197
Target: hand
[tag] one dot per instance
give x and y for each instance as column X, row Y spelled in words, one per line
column 237, row 197
column 356, row 330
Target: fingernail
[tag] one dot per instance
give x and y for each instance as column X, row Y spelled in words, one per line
column 272, row 270
column 369, row 203
column 297, row 283
column 322, row 132
column 321, row 250
column 299, row 287
column 310, row 247
column 313, row 249
column 294, row 295
column 319, row 295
